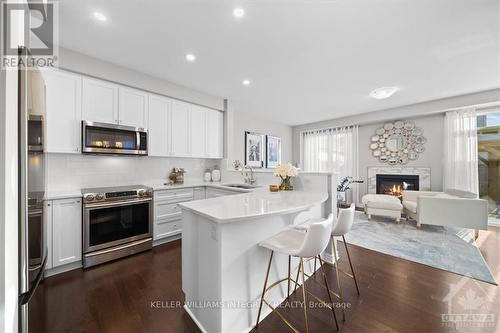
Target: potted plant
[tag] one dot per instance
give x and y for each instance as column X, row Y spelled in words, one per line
column 286, row 172
column 344, row 189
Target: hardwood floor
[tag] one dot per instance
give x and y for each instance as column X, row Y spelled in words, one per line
column 396, row 296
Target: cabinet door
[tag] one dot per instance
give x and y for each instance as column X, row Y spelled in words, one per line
column 66, row 231
column 47, row 231
column 63, row 112
column 199, row 193
column 158, row 126
column 99, row 101
column 133, row 107
column 215, row 133
column 179, row 129
column 198, row 131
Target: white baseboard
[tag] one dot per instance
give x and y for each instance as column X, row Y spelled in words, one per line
column 167, row 239
column 63, row 268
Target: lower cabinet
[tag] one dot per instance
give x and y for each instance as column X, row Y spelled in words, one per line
column 64, row 231
column 212, row 192
column 199, row 193
column 167, row 213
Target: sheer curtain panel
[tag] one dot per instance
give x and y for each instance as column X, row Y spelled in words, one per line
column 332, row 149
column 460, row 150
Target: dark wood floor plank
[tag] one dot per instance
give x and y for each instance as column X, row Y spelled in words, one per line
column 396, row 295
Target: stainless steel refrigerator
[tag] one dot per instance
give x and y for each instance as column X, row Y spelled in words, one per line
column 31, row 183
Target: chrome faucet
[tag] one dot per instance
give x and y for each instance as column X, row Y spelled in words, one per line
column 248, row 179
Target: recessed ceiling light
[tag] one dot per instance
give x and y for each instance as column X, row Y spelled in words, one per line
column 190, row 57
column 245, row 82
column 100, row 16
column 383, row 92
column 238, row 12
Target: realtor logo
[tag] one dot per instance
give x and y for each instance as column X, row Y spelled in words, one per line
column 468, row 306
column 33, row 25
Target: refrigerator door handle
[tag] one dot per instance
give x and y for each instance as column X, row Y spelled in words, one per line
column 26, row 297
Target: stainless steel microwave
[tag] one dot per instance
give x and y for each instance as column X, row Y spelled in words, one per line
column 103, row 138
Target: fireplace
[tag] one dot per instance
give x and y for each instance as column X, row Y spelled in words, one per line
column 396, row 184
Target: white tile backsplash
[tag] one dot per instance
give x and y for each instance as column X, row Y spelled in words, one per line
column 71, row 171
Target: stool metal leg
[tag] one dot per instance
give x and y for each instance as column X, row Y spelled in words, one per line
column 297, row 278
column 334, row 252
column 328, row 290
column 350, row 263
column 289, row 263
column 264, row 289
column 304, row 293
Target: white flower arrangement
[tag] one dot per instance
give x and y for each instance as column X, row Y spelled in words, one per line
column 286, row 170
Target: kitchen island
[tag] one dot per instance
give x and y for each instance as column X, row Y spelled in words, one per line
column 223, row 267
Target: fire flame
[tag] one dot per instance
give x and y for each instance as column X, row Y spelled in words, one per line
column 395, row 190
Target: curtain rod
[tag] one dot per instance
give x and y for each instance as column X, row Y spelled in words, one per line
column 327, row 129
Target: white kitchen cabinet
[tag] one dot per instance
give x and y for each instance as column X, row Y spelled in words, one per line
column 212, row 192
column 100, row 101
column 214, row 133
column 133, row 107
column 66, row 231
column 167, row 213
column 179, row 129
column 198, row 130
column 159, row 122
column 199, row 193
column 63, row 111
column 47, row 231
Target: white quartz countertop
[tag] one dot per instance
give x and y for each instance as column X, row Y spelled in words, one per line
column 160, row 186
column 258, row 203
column 156, row 185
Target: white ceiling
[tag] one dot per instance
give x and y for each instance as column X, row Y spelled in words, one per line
column 308, row 60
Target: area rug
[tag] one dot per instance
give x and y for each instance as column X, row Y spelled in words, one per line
column 450, row 249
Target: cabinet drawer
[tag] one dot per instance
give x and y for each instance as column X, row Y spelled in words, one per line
column 172, row 196
column 165, row 228
column 167, row 211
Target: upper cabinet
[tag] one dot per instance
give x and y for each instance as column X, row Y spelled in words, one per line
column 159, row 122
column 215, row 134
column 63, row 111
column 175, row 128
column 100, row 101
column 133, row 107
column 180, row 129
column 198, row 131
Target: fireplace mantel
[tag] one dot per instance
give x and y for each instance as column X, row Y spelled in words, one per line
column 423, row 173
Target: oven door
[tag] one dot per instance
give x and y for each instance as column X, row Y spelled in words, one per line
column 101, row 138
column 113, row 223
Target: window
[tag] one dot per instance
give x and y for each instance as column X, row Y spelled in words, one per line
column 488, row 143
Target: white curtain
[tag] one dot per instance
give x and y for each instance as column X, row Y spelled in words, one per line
column 460, row 150
column 333, row 149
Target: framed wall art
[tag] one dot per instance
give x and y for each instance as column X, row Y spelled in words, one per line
column 254, row 149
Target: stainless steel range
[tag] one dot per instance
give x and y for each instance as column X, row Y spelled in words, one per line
column 117, row 222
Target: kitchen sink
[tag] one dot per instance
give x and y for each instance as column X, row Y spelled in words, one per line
column 244, row 186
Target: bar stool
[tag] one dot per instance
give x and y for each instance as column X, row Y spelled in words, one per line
column 344, row 223
column 295, row 243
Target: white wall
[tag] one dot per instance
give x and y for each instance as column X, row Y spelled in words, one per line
column 427, row 115
column 81, row 63
column 238, row 122
column 74, row 171
column 432, row 157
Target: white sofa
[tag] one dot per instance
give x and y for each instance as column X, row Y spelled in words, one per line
column 453, row 207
